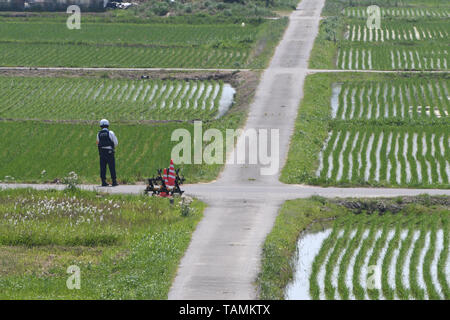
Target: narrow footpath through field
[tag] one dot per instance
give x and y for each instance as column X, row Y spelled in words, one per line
column 223, row 258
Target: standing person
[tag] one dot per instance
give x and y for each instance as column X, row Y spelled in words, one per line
column 107, row 142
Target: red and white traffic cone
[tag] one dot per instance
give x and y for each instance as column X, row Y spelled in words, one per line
column 171, row 176
column 166, row 181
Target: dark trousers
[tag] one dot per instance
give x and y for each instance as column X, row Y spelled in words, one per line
column 107, row 158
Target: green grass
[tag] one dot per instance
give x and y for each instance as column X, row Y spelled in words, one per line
column 314, row 214
column 31, row 147
column 100, row 44
column 310, row 131
column 44, row 232
column 324, row 51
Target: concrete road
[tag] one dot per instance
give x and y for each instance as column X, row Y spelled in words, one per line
column 223, row 259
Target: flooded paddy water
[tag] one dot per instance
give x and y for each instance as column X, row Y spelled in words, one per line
column 421, row 255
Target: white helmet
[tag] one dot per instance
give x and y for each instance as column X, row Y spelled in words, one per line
column 104, row 123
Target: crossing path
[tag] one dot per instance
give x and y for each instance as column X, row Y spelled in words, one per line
column 307, row 70
column 209, row 192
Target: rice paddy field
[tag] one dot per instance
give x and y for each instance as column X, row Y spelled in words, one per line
column 16, row 30
column 49, row 119
column 410, row 251
column 411, row 36
column 48, row 123
column 39, row 151
column 406, row 156
column 114, row 99
column 404, row 99
column 46, row 151
column 50, row 43
column 359, row 249
column 377, row 130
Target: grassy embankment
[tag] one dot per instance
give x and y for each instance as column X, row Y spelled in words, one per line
column 127, row 247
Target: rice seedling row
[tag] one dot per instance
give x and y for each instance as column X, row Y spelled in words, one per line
column 405, row 251
column 334, row 258
column 443, row 259
column 389, row 57
column 69, row 55
column 89, row 99
column 396, row 156
column 343, row 282
column 410, row 12
column 387, row 267
column 51, row 43
column 358, row 289
column 431, row 290
column 375, row 258
column 397, row 32
column 129, row 34
column 321, row 257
